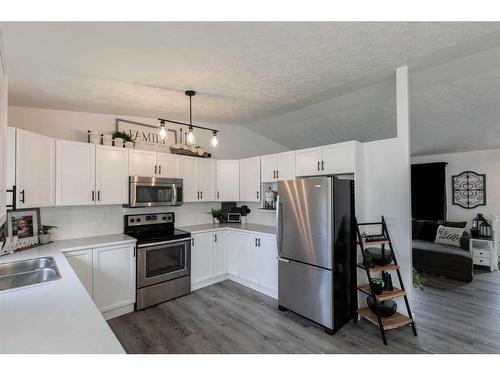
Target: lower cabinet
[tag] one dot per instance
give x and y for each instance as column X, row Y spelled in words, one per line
column 247, row 258
column 108, row 275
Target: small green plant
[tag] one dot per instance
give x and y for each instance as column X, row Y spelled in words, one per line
column 45, row 229
column 418, row 279
column 123, row 135
column 216, row 213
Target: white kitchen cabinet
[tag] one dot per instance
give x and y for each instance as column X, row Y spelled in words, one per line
column 169, row 165
column 113, row 277
column 249, row 262
column 81, row 262
column 250, row 179
column 206, row 179
column 201, row 257
column 142, row 163
column 228, row 180
column 75, row 173
column 308, row 162
column 326, row 160
column 278, row 167
column 219, row 253
column 3, row 135
column 268, row 263
column 111, row 175
column 234, row 244
column 35, row 165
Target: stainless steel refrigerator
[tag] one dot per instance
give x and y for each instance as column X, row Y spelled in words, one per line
column 315, row 240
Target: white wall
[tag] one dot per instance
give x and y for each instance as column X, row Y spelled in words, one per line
column 487, row 162
column 72, row 222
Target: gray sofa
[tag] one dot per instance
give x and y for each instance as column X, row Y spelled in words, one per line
column 444, row 260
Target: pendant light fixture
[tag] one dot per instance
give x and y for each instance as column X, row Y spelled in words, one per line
column 190, row 135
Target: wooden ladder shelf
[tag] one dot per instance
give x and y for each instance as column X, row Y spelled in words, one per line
column 396, row 320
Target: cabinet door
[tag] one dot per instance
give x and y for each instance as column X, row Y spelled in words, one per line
column 250, row 180
column 228, row 180
column 142, row 163
column 81, row 262
column 249, row 258
column 111, row 175
column 286, row 166
column 169, row 165
column 220, row 253
column 201, row 257
column 113, row 279
column 234, row 243
column 35, row 169
column 268, row 264
column 338, row 158
column 206, row 179
column 189, row 175
column 268, row 167
column 308, row 162
column 75, row 173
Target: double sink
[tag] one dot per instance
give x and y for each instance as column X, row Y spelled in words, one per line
column 28, row 272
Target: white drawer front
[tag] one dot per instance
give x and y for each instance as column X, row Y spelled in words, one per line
column 481, row 261
column 480, row 253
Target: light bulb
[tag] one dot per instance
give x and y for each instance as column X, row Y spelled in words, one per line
column 190, row 136
column 214, row 139
column 163, row 131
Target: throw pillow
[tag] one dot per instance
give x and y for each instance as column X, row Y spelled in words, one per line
column 453, row 224
column 449, row 235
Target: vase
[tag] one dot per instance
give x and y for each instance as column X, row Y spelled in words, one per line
column 216, row 220
column 44, row 238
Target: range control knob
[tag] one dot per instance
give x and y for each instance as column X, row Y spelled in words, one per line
column 138, row 220
column 132, row 220
column 164, row 218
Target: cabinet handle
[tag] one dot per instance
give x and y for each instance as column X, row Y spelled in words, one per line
column 201, row 194
column 322, row 165
column 93, row 195
column 156, row 169
column 159, row 169
column 98, row 195
column 318, row 165
column 259, row 242
column 23, row 198
column 277, row 174
column 215, row 237
column 255, row 242
column 257, row 195
column 274, row 174
column 198, row 195
column 192, row 241
column 217, row 195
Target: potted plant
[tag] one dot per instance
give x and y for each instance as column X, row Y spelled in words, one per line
column 44, row 233
column 124, row 137
column 378, row 285
column 216, row 215
column 418, row 279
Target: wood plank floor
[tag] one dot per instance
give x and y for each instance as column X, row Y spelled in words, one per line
column 452, row 317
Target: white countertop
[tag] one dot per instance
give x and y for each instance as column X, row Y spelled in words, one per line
column 254, row 228
column 56, row 316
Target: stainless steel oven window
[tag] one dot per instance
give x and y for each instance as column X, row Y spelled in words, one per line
column 165, row 260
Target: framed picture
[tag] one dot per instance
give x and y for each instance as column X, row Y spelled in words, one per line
column 24, row 224
column 144, row 134
column 469, row 189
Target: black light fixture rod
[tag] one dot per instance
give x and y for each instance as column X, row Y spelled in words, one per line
column 186, row 124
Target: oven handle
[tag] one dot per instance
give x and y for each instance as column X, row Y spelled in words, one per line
column 154, row 244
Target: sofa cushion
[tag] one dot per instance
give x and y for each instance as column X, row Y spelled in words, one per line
column 424, row 230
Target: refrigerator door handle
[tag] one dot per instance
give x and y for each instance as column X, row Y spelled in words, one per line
column 279, row 223
column 283, row 260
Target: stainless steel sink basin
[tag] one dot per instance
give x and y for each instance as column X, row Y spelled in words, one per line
column 28, row 272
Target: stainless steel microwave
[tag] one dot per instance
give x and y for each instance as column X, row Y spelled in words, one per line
column 154, row 191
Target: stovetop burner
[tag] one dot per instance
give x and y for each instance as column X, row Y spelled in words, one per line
column 157, row 227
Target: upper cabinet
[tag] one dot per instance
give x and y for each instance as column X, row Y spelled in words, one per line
column 278, row 167
column 198, row 179
column 75, row 173
column 145, row 163
column 3, row 135
column 228, row 180
column 35, row 169
column 111, row 175
column 88, row 174
column 250, row 179
column 326, row 160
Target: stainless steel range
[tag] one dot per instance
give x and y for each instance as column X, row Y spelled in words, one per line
column 163, row 258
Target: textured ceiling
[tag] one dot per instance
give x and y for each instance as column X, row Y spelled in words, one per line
column 251, row 74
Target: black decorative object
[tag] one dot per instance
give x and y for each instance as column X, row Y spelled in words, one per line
column 387, row 278
column 377, row 257
column 469, row 189
column 377, row 285
column 385, row 308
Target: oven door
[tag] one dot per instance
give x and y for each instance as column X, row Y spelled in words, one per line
column 163, row 261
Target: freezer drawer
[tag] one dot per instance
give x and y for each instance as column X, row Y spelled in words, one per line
column 306, row 290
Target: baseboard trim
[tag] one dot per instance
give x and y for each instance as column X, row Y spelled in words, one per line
column 118, row 311
column 236, row 279
column 204, row 283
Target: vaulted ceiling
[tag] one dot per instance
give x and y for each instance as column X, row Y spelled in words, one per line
column 300, row 84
